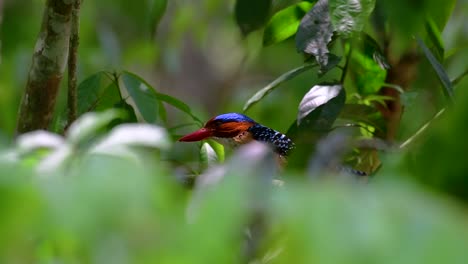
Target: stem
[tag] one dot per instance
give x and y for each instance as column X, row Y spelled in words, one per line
column 47, row 67
column 345, row 69
column 1, row 19
column 72, row 61
column 421, row 130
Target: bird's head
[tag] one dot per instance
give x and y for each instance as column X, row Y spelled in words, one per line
column 226, row 126
column 234, row 129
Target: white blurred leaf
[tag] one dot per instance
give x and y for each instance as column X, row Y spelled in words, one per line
column 55, row 161
column 38, row 139
column 144, row 135
column 90, row 123
column 317, row 96
column 208, row 155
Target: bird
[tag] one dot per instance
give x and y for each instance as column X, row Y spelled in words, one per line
column 234, row 129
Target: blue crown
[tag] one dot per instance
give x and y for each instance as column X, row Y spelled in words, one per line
column 234, row 117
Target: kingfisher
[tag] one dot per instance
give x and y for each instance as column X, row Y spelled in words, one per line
column 233, row 129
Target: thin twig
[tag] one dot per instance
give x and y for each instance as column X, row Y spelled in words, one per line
column 345, row 69
column 72, row 61
column 421, row 130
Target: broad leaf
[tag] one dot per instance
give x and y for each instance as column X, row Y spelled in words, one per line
column 270, row 87
column 434, row 38
column 177, row 104
column 371, row 49
column 152, row 95
column 317, row 112
column 317, row 96
column 349, row 16
column 315, row 32
column 208, row 156
column 284, row 24
column 439, row 69
column 251, row 15
column 97, row 92
column 143, row 95
column 367, row 74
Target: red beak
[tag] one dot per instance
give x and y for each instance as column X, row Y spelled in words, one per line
column 198, row 135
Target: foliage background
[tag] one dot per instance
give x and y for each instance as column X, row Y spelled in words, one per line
column 92, row 207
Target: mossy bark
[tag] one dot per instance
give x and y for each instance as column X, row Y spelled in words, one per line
column 47, row 68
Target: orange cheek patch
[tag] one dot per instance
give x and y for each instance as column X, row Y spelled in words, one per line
column 232, row 129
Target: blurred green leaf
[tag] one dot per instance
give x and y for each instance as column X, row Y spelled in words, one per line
column 157, row 9
column 435, row 156
column 460, row 77
column 251, row 15
column 349, row 16
column 361, row 113
column 284, row 24
column 434, row 38
column 270, row 87
column 97, row 92
column 315, row 32
column 439, row 69
column 358, row 224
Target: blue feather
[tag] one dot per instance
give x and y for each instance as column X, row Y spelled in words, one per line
column 233, row 117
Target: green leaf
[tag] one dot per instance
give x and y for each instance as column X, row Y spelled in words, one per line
column 361, row 113
column 152, row 94
column 315, row 32
column 349, row 16
column 177, row 104
column 208, row 156
column 284, row 24
column 270, row 87
column 143, row 95
column 367, row 74
column 439, row 69
column 251, row 15
column 434, row 38
column 460, row 77
column 97, row 92
column 318, row 111
column 157, row 9
column 372, row 49
column 333, row 61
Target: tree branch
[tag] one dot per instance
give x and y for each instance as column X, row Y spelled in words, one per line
column 72, row 61
column 47, row 68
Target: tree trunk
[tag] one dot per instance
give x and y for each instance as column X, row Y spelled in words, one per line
column 47, row 68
